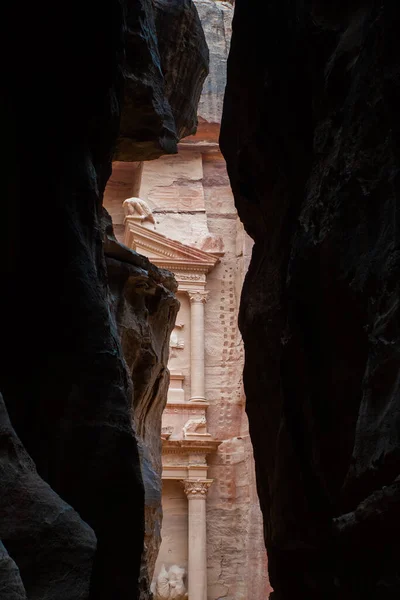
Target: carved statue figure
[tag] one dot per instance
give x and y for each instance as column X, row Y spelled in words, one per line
column 174, row 341
column 195, row 425
column 170, row 584
column 137, row 206
column 166, row 432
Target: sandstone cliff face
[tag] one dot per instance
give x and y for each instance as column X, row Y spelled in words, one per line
column 66, row 383
column 310, row 133
column 216, row 19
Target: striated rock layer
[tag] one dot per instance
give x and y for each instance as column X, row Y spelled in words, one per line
column 66, row 383
column 310, row 134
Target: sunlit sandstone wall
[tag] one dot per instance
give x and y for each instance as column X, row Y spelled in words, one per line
column 191, row 199
column 199, row 210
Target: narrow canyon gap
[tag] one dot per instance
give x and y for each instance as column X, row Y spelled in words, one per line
column 178, row 210
column 310, row 135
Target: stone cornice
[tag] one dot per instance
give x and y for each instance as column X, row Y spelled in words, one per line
column 184, row 405
column 189, row 446
column 167, row 253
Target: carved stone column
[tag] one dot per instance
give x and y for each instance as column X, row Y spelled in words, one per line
column 196, row 491
column 197, row 301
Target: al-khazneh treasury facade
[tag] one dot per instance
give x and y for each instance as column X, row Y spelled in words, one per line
column 178, row 210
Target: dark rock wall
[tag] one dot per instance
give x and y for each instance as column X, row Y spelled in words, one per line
column 311, row 136
column 165, row 65
column 144, row 305
column 34, row 517
column 63, row 375
column 184, row 59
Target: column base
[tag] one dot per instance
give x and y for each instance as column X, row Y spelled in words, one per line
column 197, row 399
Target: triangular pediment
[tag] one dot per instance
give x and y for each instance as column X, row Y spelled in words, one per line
column 165, row 252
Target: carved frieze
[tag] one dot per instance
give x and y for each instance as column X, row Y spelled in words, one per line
column 173, row 460
column 189, row 276
column 197, row 459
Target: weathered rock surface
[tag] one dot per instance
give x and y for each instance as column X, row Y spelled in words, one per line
column 145, row 307
column 310, row 133
column 166, row 64
column 11, row 586
column 216, row 18
column 63, row 374
column 41, row 532
column 184, row 60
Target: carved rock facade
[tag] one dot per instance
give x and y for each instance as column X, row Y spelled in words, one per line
column 197, row 235
column 310, row 133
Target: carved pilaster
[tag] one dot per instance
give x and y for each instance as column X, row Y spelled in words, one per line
column 197, row 488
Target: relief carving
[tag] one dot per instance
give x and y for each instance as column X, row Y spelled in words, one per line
column 189, row 277
column 197, row 488
column 198, row 296
column 166, row 432
column 137, row 207
column 173, row 460
column 175, row 341
column 197, row 459
column 170, row 585
column 195, row 426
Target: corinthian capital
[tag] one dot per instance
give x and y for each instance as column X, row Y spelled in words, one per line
column 198, row 296
column 196, row 488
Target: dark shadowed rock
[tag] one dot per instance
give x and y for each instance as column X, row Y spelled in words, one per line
column 63, row 374
column 52, row 546
column 310, row 133
column 184, row 59
column 11, row 586
column 166, row 64
column 145, row 307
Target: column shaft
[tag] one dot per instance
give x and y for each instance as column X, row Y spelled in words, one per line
column 197, row 375
column 197, row 539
